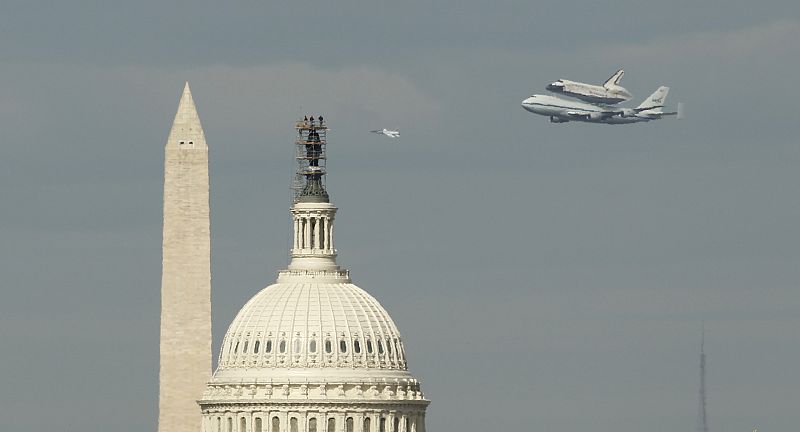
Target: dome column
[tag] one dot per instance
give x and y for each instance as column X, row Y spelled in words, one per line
column 313, row 246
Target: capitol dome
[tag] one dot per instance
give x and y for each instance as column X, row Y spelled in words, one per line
column 312, row 352
column 311, row 325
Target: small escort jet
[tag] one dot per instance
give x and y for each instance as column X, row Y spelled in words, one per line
column 388, row 132
column 609, row 93
column 563, row 110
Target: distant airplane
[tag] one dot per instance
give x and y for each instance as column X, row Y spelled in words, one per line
column 563, row 110
column 388, row 132
column 609, row 93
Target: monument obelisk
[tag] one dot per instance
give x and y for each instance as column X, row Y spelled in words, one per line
column 186, row 274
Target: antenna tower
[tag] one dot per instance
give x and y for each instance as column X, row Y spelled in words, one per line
column 703, row 423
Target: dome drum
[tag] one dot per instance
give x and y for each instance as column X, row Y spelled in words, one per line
column 314, row 418
column 364, row 392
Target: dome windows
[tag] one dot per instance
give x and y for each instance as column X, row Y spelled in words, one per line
column 339, row 327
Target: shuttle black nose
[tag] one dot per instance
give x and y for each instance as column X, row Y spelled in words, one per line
column 556, row 86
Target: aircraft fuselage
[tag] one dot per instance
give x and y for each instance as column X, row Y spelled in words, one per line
column 563, row 110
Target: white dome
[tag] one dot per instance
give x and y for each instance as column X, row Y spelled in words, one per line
column 312, row 325
column 312, row 352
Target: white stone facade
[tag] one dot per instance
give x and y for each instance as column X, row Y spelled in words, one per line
column 185, row 363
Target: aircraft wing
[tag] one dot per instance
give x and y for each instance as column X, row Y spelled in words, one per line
column 579, row 114
column 591, row 115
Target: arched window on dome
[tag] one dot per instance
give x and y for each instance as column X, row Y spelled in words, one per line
column 357, row 346
column 331, row 424
column 257, row 427
column 328, row 346
column 382, row 425
column 396, row 425
column 244, row 350
column 255, row 347
column 342, row 346
column 282, row 347
column 293, row 424
column 242, row 424
column 389, row 346
column 219, row 424
column 369, row 346
column 236, row 348
column 397, row 348
column 380, row 347
column 230, row 425
column 297, row 346
column 312, row 424
column 312, row 346
column 276, row 424
column 367, row 424
column 348, row 425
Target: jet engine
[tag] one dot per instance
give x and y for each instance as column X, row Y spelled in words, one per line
column 554, row 119
column 627, row 112
column 595, row 116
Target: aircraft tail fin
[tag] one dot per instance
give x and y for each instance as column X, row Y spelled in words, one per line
column 614, row 80
column 655, row 100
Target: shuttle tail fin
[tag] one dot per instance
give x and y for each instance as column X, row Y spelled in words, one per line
column 655, row 100
column 614, row 80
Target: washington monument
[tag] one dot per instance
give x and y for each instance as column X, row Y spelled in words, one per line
column 186, row 274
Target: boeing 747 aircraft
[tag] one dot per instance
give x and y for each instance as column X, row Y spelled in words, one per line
column 563, row 110
column 609, row 93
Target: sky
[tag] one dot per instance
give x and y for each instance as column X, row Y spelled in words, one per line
column 544, row 276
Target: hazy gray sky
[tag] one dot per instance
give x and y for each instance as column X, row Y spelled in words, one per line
column 544, row 276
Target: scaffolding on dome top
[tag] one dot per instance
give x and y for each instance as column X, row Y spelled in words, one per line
column 311, row 156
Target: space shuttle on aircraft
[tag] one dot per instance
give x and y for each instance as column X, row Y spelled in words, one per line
column 564, row 110
column 608, row 93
